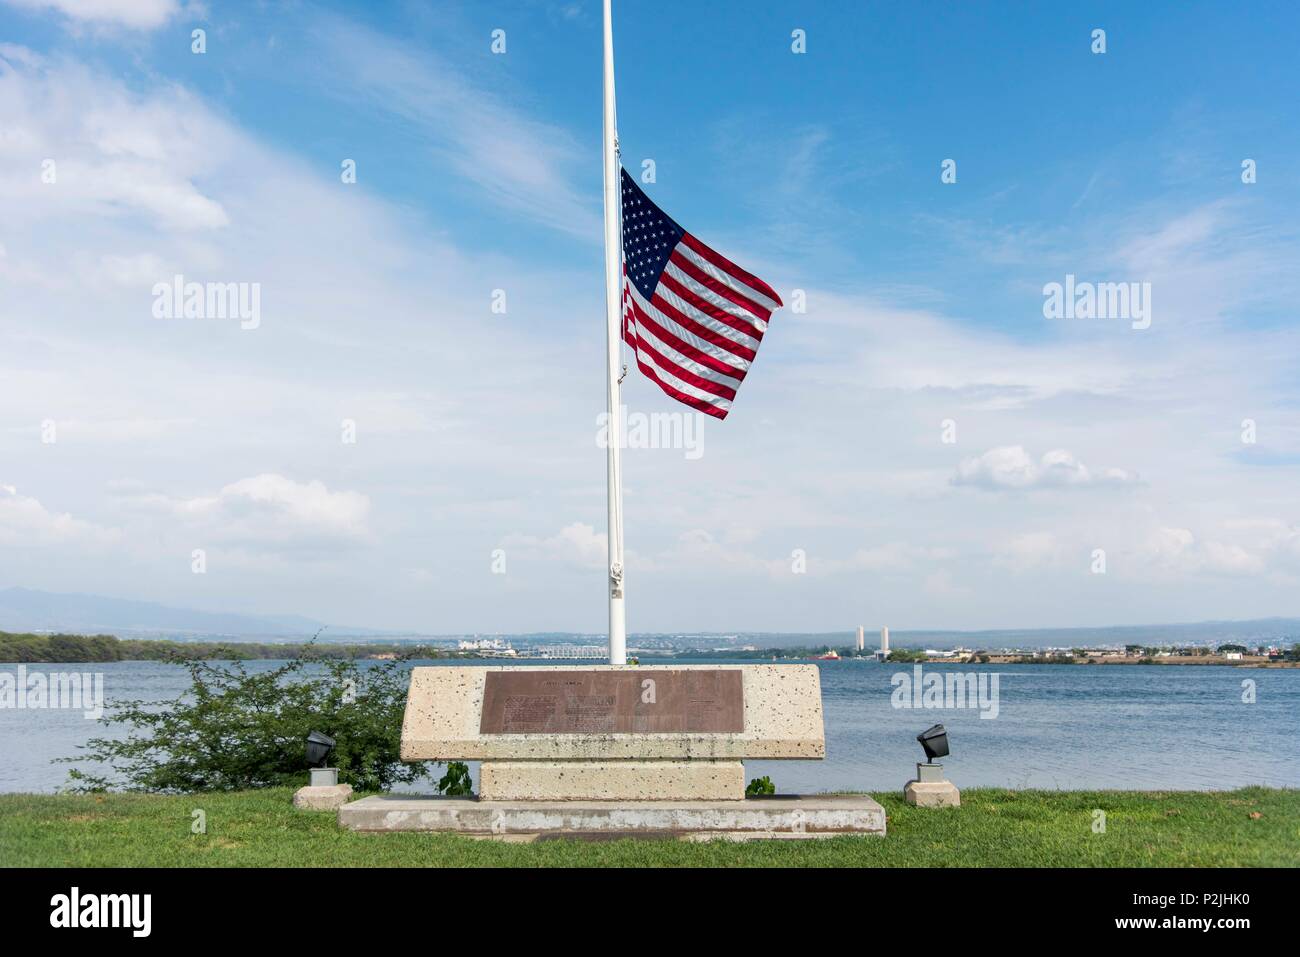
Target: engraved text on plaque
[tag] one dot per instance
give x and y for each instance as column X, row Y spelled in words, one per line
column 548, row 701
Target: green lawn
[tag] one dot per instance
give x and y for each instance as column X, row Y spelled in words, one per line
column 1253, row 826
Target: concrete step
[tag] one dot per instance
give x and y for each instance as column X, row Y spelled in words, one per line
column 777, row 816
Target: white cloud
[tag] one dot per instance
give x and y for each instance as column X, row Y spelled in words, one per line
column 698, row 548
column 1177, row 551
column 476, row 430
column 522, row 163
column 270, row 511
column 105, row 151
column 25, row 522
column 1012, row 467
column 577, row 544
column 106, row 431
column 135, row 14
column 1030, row 551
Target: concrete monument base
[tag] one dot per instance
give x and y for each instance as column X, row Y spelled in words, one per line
column 794, row 816
column 615, row 749
column 679, row 780
column 324, row 793
column 931, row 789
column 322, row 798
column 613, row 713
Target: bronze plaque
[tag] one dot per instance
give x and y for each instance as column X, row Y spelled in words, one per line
column 548, row 701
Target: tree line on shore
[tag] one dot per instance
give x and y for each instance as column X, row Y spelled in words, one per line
column 34, row 649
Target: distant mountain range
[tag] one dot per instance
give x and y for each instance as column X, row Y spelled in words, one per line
column 24, row 610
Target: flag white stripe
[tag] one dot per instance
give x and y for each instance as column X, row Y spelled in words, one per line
column 706, row 267
column 687, row 363
column 691, row 339
column 713, row 299
column 713, row 325
column 685, row 387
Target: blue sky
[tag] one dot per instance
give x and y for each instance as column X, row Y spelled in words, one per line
column 824, row 164
column 819, row 171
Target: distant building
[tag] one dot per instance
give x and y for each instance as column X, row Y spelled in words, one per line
column 862, row 641
column 883, row 653
column 488, row 647
column 572, row 652
column 483, row 644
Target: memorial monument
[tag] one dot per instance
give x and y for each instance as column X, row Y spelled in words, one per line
column 615, row 748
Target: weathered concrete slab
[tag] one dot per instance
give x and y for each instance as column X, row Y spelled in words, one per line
column 673, row 780
column 322, row 797
column 782, row 718
column 753, row 818
column 932, row 794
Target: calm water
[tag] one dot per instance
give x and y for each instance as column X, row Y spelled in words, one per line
column 1058, row 726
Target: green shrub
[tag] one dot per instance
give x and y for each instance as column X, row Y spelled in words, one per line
column 456, row 781
column 233, row 730
column 58, row 648
column 761, row 785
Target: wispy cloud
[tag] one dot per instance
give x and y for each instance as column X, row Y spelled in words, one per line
column 1011, row 467
column 76, row 147
column 132, row 14
column 475, row 430
column 268, row 511
column 522, row 163
column 26, row 523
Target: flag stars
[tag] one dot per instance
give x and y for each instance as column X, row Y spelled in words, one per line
column 649, row 238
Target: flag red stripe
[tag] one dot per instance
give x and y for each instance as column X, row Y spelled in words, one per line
column 629, row 336
column 703, row 332
column 685, row 348
column 694, row 316
column 698, row 404
column 710, row 310
column 749, row 279
column 701, row 383
column 724, row 277
column 721, row 288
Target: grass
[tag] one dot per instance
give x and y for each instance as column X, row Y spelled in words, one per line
column 993, row 828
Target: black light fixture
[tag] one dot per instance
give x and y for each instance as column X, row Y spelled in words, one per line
column 321, row 746
column 935, row 742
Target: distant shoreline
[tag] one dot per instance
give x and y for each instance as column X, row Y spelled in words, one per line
column 106, row 649
column 1252, row 662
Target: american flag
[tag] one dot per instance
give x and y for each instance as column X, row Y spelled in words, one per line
column 694, row 318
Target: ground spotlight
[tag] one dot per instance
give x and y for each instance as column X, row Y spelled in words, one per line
column 935, row 742
column 929, row 788
column 323, row 792
column 321, row 746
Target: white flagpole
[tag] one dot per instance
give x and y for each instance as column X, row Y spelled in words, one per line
column 613, row 345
